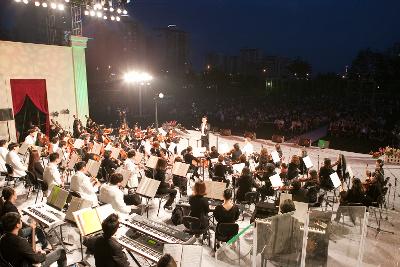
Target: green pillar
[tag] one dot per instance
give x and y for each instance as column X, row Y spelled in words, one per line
column 78, row 44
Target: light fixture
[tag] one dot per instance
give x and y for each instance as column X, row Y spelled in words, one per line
column 66, row 1
column 112, row 18
column 119, row 11
column 25, row 1
column 99, row 14
column 92, row 13
column 105, row 9
column 44, row 4
column 105, row 17
column 17, row 1
column 87, row 12
column 53, row 5
column 118, row 18
column 37, row 3
column 125, row 12
column 60, row 6
column 161, row 95
column 111, row 9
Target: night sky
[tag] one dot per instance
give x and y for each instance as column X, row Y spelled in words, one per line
column 327, row 33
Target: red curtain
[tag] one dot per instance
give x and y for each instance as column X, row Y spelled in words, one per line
column 37, row 93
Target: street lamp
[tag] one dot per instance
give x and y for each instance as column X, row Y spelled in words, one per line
column 159, row 96
column 140, row 78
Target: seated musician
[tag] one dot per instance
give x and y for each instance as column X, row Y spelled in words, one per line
column 164, row 187
column 198, row 204
column 166, row 261
column 263, row 174
column 3, row 154
column 373, row 189
column 155, row 149
column 243, row 159
column 245, row 184
column 235, row 152
column 354, row 195
column 379, row 171
column 324, row 172
column 220, row 171
column 7, row 204
column 227, row 212
column 109, row 164
column 190, row 159
column 17, row 251
column 84, row 184
column 51, row 174
column 293, row 168
column 213, row 153
column 298, row 194
column 14, row 160
column 279, row 150
column 312, row 186
column 107, row 252
column 130, row 165
column 180, row 181
column 63, row 152
column 284, row 170
column 35, row 164
column 112, row 194
column 54, row 144
column 302, row 165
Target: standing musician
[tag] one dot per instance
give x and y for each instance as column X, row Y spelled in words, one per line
column 324, row 175
column 77, row 127
column 192, row 160
column 205, row 132
column 293, row 168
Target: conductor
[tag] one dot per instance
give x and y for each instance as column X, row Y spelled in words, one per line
column 205, row 132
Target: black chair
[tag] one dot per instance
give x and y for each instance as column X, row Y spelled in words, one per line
column 32, row 183
column 224, row 232
column 9, row 176
column 162, row 198
column 250, row 198
column 192, row 225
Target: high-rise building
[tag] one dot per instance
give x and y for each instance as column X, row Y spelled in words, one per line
column 275, row 67
column 250, row 60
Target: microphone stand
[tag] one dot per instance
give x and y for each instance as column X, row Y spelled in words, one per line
column 394, row 195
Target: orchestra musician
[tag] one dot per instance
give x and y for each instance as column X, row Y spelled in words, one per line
column 164, row 186
column 263, row 172
column 180, row 181
column 51, row 174
column 35, row 165
column 205, row 132
column 324, row 172
column 299, row 194
column 3, row 155
column 213, row 153
column 312, row 186
column 30, row 139
column 192, row 160
column 108, row 164
column 293, row 168
column 83, row 184
column 220, row 170
column 130, row 165
column 12, row 158
column 107, row 251
column 373, row 188
column 77, row 127
column 235, row 152
column 245, row 183
column 18, row 252
column 355, row 194
column 226, row 212
column 199, row 205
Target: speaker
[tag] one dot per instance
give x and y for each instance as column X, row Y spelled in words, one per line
column 6, row 114
column 278, row 138
column 226, row 132
column 305, row 142
column 251, row 135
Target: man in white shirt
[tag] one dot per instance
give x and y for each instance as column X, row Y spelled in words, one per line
column 30, row 139
column 51, row 174
column 3, row 154
column 63, row 154
column 130, row 165
column 82, row 184
column 205, row 130
column 111, row 194
column 12, row 158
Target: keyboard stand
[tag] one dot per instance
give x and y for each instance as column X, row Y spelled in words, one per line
column 133, row 257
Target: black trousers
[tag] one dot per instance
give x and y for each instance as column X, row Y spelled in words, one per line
column 172, row 194
column 205, row 141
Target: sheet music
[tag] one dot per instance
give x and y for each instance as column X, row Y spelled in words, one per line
column 238, row 167
column 307, row 162
column 23, row 148
column 301, row 211
column 152, row 162
column 223, row 148
column 162, row 145
column 171, row 147
column 335, row 179
column 199, row 151
column 175, row 250
column 215, row 190
column 93, row 167
column 161, row 131
column 96, row 148
column 214, row 160
column 275, row 156
column 104, row 211
column 75, row 205
column 180, row 169
column 125, row 174
column 72, row 161
column 58, row 197
column 148, row 187
column 138, row 157
column 87, row 221
column 79, row 143
column 115, row 152
column 276, row 181
column 191, row 255
column 108, row 146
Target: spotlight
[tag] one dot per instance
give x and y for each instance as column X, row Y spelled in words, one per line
column 44, row 4
column 161, row 95
column 105, row 9
column 92, row 13
column 99, row 14
column 118, row 18
column 25, row 1
column 112, row 18
column 60, row 6
column 87, row 12
column 105, row 17
column 37, row 3
column 17, row 1
column 97, row 6
column 111, row 9
column 53, row 5
column 119, row 11
column 66, row 1
column 124, row 12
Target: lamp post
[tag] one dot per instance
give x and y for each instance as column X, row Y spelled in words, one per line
column 141, row 78
column 159, row 96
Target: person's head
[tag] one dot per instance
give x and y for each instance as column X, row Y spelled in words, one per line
column 189, row 149
column 32, row 132
column 368, row 173
column 227, row 194
column 3, row 143
column 296, row 185
column 379, row 163
column 80, row 166
column 236, row 146
column 242, row 158
column 161, row 164
column 246, row 171
column 63, row 144
column 277, row 147
column 270, row 167
column 107, row 154
column 54, row 140
column 303, row 153
column 166, row 261
column 220, row 158
column 284, row 168
column 327, row 162
column 116, row 178
column 287, row 206
column 178, row 159
column 214, row 149
column 13, row 146
column 131, row 154
column 199, row 188
column 156, row 144
column 11, row 221
column 356, row 185
column 295, row 160
column 34, row 156
column 54, row 157
column 204, row 119
column 264, row 152
column 110, row 225
column 9, row 194
column 313, row 174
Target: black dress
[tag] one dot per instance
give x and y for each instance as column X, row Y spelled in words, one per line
column 199, row 208
column 245, row 184
column 164, row 187
column 222, row 215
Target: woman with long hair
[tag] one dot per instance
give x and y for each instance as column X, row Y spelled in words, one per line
column 35, row 166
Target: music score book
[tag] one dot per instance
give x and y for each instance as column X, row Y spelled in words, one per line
column 238, row 167
column 23, row 148
column 223, row 148
column 335, row 180
column 276, row 181
column 180, row 169
column 307, row 162
column 148, row 187
column 79, row 143
column 199, row 151
column 57, row 198
column 89, row 220
column 301, row 211
column 152, row 162
column 72, row 161
column 185, row 255
column 75, row 205
column 93, row 167
column 215, row 190
column 115, row 152
column 126, row 176
column 172, row 147
column 96, row 148
column 275, row 156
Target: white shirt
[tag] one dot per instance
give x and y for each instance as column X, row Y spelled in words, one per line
column 81, row 183
column 111, row 194
column 203, row 126
column 64, row 156
column 3, row 154
column 248, row 149
column 130, row 165
column 14, row 160
column 51, row 175
column 30, row 140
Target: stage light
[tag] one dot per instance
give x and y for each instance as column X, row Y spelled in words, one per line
column 105, row 9
column 111, row 9
column 25, row 1
column 97, row 6
column 118, row 18
column 53, row 5
column 44, row 4
column 87, row 12
column 124, row 12
column 17, row 1
column 92, row 13
column 112, row 18
column 99, row 14
column 66, row 1
column 139, row 77
column 119, row 11
column 60, row 6
column 105, row 17
column 161, row 95
column 37, row 3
